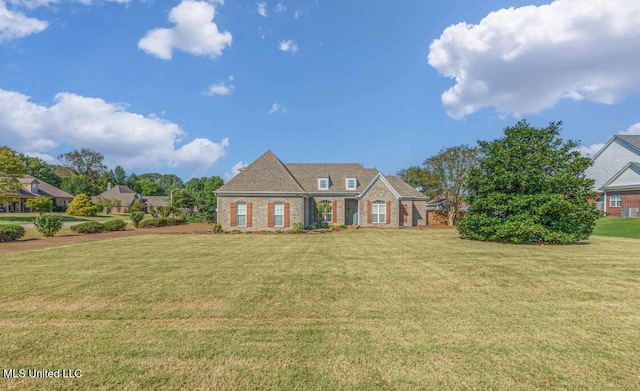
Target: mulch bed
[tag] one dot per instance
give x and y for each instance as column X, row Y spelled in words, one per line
column 31, row 244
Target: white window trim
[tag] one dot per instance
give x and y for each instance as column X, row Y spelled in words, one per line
column 329, row 212
column 379, row 204
column 320, row 181
column 346, row 183
column 238, row 214
column 275, row 204
column 617, row 202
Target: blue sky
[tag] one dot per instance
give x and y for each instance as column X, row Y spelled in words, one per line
column 199, row 88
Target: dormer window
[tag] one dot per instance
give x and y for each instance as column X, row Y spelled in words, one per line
column 323, row 183
column 34, row 187
column 351, row 183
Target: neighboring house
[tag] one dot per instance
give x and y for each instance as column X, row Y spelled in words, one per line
column 616, row 172
column 126, row 197
column 33, row 187
column 269, row 194
column 437, row 211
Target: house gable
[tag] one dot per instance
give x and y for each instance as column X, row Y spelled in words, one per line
column 627, row 178
column 266, row 175
column 616, row 154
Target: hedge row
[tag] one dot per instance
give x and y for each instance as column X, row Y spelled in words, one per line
column 160, row 222
column 94, row 227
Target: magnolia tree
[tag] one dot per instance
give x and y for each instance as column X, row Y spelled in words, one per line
column 529, row 187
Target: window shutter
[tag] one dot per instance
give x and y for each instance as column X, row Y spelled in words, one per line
column 368, row 212
column 287, row 219
column 233, row 214
column 270, row 215
column 334, row 211
column 249, row 214
column 388, row 212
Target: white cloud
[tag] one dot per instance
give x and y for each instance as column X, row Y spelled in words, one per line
column 44, row 156
column 524, row 60
column 594, row 148
column 279, row 8
column 277, row 108
column 288, row 45
column 234, row 171
column 219, row 89
column 194, row 32
column 262, row 8
column 297, row 14
column 124, row 137
column 14, row 25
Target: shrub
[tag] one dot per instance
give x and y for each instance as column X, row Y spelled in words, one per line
column 160, row 222
column 297, row 227
column 343, row 226
column 136, row 217
column 48, row 225
column 10, row 232
column 81, row 205
column 235, row 231
column 137, row 206
column 90, row 227
column 115, row 225
column 40, row 204
column 217, row 228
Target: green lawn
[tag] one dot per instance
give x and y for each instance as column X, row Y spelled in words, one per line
column 27, row 218
column 618, row 226
column 361, row 310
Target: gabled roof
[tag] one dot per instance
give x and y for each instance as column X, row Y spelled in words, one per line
column 403, row 188
column 265, row 175
column 156, row 200
column 629, row 178
column 44, row 188
column 307, row 175
column 119, row 192
column 630, row 140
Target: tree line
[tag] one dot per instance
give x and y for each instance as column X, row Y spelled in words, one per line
column 82, row 171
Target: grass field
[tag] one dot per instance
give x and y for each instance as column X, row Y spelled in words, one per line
column 362, row 310
column 618, row 227
column 27, row 218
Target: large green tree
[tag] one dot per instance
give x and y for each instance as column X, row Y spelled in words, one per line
column 419, row 178
column 446, row 171
column 42, row 170
column 529, row 187
column 202, row 190
column 12, row 168
column 88, row 164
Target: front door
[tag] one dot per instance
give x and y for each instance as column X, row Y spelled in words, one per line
column 350, row 210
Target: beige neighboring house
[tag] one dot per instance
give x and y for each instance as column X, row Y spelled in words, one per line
column 33, row 187
column 270, row 195
column 126, row 197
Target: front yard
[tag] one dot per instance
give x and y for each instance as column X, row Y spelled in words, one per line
column 366, row 310
column 27, row 218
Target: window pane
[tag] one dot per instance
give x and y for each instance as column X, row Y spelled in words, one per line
column 278, row 209
column 241, row 208
column 278, row 221
column 241, row 220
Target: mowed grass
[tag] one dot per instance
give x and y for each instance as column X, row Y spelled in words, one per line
column 623, row 227
column 362, row 310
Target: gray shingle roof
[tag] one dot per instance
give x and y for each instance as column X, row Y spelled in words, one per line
column 45, row 189
column 307, row 175
column 269, row 175
column 266, row 174
column 156, row 200
column 631, row 139
column 403, row 188
column 119, row 192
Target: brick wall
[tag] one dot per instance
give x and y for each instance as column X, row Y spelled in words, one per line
column 259, row 211
column 630, row 199
column 379, row 192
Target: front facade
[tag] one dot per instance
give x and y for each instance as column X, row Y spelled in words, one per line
column 31, row 188
column 124, row 197
column 616, row 172
column 271, row 195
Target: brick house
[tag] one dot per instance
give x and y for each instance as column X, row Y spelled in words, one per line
column 616, row 172
column 269, row 195
column 125, row 197
column 31, row 188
